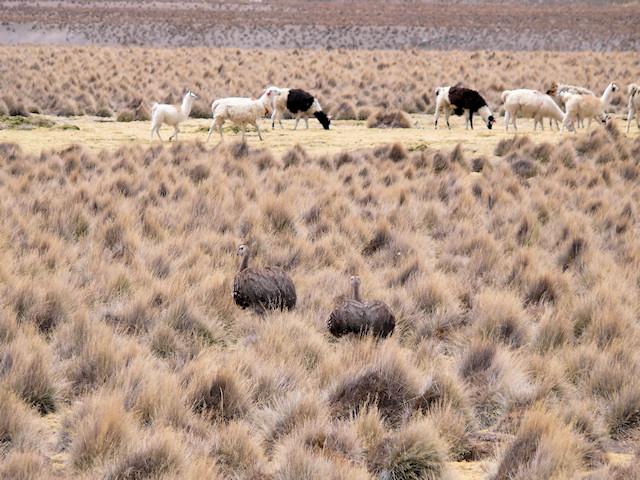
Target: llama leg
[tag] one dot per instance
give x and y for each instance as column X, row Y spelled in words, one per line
column 153, row 130
column 158, row 133
column 471, row 119
column 506, row 120
column 515, row 127
column 436, row 117
column 306, row 122
column 213, row 125
column 220, row 129
column 258, row 130
column 295, row 127
column 242, row 129
column 274, row 115
column 446, row 117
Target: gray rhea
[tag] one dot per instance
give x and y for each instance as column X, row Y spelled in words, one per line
column 353, row 316
column 262, row 289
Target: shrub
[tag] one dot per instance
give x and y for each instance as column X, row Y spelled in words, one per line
column 24, row 466
column 218, row 394
column 389, row 119
column 386, row 383
column 624, row 411
column 498, row 316
column 26, row 366
column 154, row 458
column 125, row 116
column 542, row 448
column 98, row 429
column 414, row 453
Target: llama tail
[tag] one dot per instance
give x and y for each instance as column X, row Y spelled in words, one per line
column 154, row 107
column 504, row 95
column 633, row 90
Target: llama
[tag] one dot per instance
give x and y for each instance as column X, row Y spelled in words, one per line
column 586, row 106
column 241, row 111
column 529, row 104
column 557, row 91
column 171, row 115
column 634, row 105
column 300, row 104
column 462, row 100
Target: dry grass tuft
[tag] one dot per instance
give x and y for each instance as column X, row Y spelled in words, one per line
column 157, row 457
column 24, row 466
column 543, row 448
column 413, row 453
column 389, row 119
column 97, row 430
column 386, row 383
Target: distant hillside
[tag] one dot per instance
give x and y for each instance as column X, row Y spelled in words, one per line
column 534, row 25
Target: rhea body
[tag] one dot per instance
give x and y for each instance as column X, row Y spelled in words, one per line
column 262, row 289
column 355, row 316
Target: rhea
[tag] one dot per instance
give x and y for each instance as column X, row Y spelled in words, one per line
column 262, row 289
column 356, row 316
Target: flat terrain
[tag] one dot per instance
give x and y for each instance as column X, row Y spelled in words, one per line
column 576, row 25
column 97, row 134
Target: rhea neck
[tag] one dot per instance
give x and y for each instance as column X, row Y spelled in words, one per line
column 187, row 103
column 356, row 292
column 244, row 263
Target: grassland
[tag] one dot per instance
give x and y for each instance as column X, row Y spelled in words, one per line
column 350, row 85
column 511, row 263
column 512, row 270
column 96, row 134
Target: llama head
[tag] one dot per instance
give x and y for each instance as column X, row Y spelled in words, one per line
column 490, row 121
column 190, row 94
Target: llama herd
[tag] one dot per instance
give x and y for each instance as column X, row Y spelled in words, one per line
column 579, row 104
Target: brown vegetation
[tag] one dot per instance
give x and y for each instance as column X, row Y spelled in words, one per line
column 123, row 356
column 349, row 84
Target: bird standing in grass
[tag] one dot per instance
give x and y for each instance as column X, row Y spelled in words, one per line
column 263, row 289
column 355, row 316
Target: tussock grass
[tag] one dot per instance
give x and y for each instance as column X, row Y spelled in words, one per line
column 123, row 355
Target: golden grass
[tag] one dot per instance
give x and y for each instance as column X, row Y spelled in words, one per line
column 350, row 84
column 513, row 277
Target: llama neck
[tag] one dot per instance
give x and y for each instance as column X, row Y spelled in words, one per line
column 264, row 102
column 244, row 263
column 187, row 103
column 356, row 292
column 556, row 111
column 607, row 94
column 484, row 113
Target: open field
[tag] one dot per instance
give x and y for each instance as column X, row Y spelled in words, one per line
column 511, row 262
column 354, row 24
column 96, row 134
column 511, row 266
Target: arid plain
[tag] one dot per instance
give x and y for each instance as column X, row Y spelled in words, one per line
column 511, row 263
